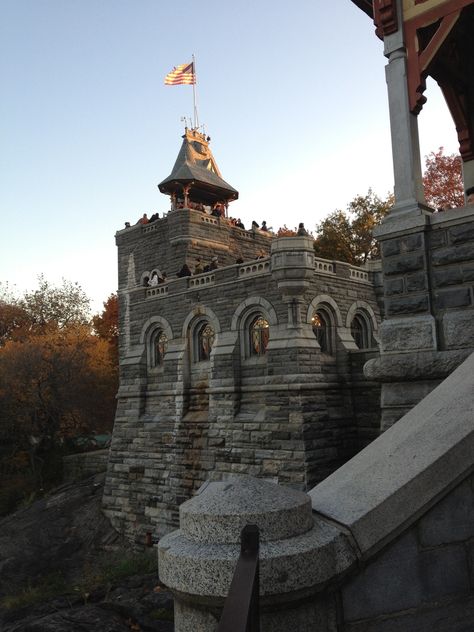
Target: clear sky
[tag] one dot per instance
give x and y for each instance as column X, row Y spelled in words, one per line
column 293, row 96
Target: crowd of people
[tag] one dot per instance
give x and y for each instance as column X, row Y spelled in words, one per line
column 218, row 210
column 158, row 277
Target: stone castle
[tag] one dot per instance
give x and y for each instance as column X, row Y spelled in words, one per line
column 254, row 366
column 286, row 366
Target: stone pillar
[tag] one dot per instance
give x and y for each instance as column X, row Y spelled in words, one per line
column 468, row 174
column 409, row 327
column 298, row 556
column 407, row 171
column 294, row 362
column 292, row 266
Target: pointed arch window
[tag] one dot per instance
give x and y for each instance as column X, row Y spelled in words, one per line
column 259, row 332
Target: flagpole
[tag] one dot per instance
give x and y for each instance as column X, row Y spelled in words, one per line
column 196, row 120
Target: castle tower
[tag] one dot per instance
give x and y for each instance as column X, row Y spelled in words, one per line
column 251, row 367
column 195, row 181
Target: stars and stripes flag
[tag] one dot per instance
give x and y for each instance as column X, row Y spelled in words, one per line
column 181, row 75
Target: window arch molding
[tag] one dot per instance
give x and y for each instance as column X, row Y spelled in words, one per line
column 194, row 327
column 144, row 278
column 364, row 311
column 149, row 334
column 321, row 301
column 330, row 319
column 254, row 304
column 254, row 311
column 154, row 323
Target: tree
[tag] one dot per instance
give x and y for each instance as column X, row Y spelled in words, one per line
column 56, row 306
column 284, row 231
column 334, row 237
column 106, row 325
column 58, row 379
column 443, row 181
column 348, row 235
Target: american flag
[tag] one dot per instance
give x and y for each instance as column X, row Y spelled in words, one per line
column 181, row 75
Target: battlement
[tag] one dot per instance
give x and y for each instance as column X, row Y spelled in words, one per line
column 184, row 236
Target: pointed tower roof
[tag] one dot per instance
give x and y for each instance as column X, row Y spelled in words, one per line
column 196, row 168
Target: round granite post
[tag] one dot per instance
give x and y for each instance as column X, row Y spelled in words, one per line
column 298, row 556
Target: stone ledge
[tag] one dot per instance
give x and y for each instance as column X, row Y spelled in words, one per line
column 220, row 510
column 397, row 478
column 312, row 559
column 405, row 368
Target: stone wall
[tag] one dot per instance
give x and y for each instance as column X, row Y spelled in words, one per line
column 428, row 270
column 79, row 466
column 292, row 415
column 388, row 548
column 424, row 580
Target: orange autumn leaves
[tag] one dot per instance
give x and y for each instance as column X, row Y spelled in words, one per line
column 58, row 370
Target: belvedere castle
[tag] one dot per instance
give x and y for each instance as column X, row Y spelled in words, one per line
column 284, row 367
column 252, row 367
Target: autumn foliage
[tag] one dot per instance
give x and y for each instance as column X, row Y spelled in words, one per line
column 443, row 181
column 58, row 377
column 348, row 235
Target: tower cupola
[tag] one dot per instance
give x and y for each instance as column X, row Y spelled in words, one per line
column 195, row 179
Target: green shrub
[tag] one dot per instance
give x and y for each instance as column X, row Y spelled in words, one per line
column 51, row 585
column 162, row 614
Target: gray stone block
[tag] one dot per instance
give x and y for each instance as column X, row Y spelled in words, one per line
column 449, row 616
column 452, row 254
column 453, row 298
column 406, row 394
column 411, row 242
column 467, row 273
column 407, row 305
column 416, row 282
column 458, row 329
column 447, row 276
column 393, row 286
column 408, row 334
column 403, row 264
column 425, row 364
column 402, row 578
column 391, row 247
column 451, row 520
column 461, row 233
column 437, row 238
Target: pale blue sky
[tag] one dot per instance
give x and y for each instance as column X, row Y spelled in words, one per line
column 292, row 94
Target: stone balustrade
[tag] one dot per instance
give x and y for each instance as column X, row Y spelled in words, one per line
column 359, row 275
column 261, row 266
column 252, row 269
column 159, row 290
column 321, row 265
column 201, row 279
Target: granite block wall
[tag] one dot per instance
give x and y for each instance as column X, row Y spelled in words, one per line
column 422, row 581
column 292, row 415
column 428, row 278
column 79, row 466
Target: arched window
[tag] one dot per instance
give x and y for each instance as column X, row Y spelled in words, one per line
column 361, row 332
column 322, row 329
column 259, row 333
column 205, row 340
column 159, row 344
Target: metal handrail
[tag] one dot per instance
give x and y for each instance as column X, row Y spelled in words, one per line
column 241, row 611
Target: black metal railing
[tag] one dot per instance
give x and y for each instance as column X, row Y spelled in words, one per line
column 241, row 608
